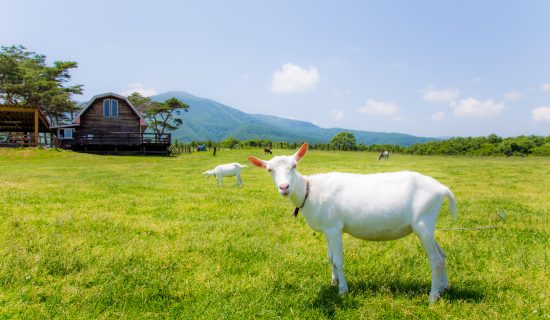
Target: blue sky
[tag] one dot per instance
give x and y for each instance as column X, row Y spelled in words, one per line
column 429, row 68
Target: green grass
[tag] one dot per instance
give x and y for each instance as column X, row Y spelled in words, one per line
column 88, row 236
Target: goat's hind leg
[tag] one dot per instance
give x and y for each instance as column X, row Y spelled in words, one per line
column 436, row 256
column 424, row 229
column 444, row 280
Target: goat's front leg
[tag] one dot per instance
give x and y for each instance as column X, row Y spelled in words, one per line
column 239, row 181
column 336, row 250
column 334, row 279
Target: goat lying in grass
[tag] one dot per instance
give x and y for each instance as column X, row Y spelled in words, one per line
column 226, row 170
column 383, row 206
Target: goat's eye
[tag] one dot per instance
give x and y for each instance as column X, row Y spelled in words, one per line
column 269, row 170
column 293, row 166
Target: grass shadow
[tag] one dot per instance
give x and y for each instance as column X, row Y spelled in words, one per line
column 412, row 288
column 463, row 294
column 328, row 301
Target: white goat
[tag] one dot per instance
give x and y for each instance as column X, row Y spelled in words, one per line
column 383, row 206
column 384, row 155
column 226, row 170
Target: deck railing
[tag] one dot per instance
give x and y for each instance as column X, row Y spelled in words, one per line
column 122, row 138
column 23, row 139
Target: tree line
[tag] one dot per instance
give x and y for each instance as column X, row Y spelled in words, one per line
column 491, row 145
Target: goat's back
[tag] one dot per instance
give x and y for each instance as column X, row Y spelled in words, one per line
column 378, row 206
column 229, row 169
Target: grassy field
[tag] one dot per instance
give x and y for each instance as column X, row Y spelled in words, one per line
column 88, row 236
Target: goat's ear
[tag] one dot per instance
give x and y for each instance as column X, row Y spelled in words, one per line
column 257, row 162
column 301, row 152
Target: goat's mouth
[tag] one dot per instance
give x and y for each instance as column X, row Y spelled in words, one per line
column 284, row 193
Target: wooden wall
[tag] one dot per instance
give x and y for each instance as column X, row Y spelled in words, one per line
column 93, row 121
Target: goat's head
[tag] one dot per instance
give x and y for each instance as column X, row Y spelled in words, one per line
column 282, row 169
column 208, row 173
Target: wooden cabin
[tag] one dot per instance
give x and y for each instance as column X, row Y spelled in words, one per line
column 24, row 126
column 109, row 123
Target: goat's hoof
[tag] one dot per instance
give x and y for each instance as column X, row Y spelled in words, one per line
column 342, row 291
column 334, row 282
column 433, row 298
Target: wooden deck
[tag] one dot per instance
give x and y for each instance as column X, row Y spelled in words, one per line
column 120, row 143
column 19, row 140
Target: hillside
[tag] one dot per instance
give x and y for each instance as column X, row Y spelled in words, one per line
column 211, row 120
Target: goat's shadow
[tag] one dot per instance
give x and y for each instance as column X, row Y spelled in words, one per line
column 328, row 300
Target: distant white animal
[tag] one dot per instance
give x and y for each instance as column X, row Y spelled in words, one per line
column 384, row 155
column 383, row 206
column 226, row 170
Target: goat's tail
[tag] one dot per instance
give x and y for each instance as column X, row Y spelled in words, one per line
column 242, row 165
column 452, row 203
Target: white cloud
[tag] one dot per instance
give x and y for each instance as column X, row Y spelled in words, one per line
column 293, row 79
column 545, row 86
column 513, row 95
column 337, row 114
column 139, row 88
column 381, row 108
column 474, row 108
column 438, row 116
column 541, row 114
column 444, row 95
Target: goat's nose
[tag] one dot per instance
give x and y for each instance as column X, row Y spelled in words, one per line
column 284, row 186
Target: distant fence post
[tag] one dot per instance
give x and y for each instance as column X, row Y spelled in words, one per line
column 214, row 152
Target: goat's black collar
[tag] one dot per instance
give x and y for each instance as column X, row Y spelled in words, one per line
column 304, row 202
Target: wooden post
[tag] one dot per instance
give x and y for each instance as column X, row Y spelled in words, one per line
column 36, row 127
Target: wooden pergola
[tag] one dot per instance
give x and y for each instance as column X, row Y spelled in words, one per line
column 23, row 125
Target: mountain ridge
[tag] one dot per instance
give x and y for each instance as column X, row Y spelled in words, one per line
column 208, row 119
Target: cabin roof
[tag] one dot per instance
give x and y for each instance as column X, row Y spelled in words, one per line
column 76, row 120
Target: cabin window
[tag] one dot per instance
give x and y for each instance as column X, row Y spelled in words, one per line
column 68, row 134
column 110, row 108
column 107, row 108
column 114, row 108
column 65, row 133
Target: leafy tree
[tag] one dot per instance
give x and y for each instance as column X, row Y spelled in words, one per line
column 140, row 102
column 543, row 150
column 230, row 143
column 161, row 116
column 344, row 141
column 493, row 138
column 26, row 80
